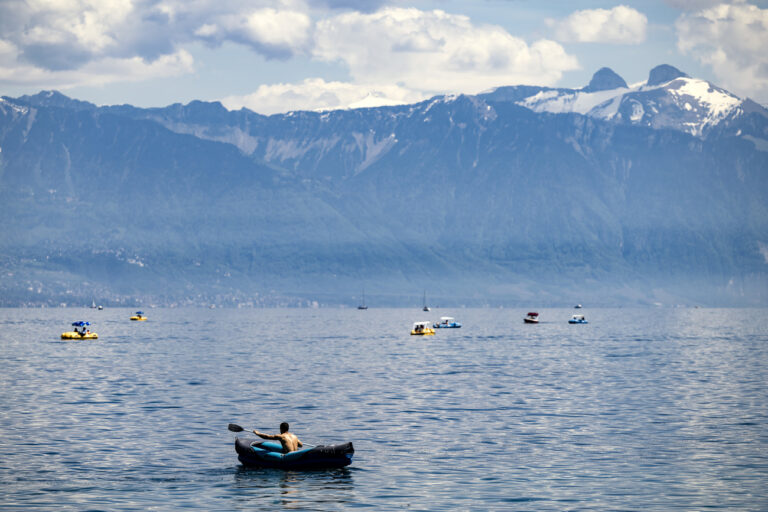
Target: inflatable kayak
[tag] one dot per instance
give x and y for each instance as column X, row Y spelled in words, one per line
column 269, row 454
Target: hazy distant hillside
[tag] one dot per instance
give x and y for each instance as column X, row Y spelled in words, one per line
column 525, row 195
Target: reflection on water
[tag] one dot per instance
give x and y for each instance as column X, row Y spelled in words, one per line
column 293, row 489
column 640, row 409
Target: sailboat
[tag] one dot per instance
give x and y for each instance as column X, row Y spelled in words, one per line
column 425, row 308
column 363, row 306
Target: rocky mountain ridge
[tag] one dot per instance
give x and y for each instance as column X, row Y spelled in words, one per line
column 494, row 198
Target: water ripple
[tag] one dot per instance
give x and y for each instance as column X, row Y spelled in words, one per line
column 614, row 415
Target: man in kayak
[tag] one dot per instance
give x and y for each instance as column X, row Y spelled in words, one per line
column 289, row 441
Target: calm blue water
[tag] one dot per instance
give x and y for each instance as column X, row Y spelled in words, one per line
column 645, row 409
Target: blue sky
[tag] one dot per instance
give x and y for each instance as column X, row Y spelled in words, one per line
column 280, row 55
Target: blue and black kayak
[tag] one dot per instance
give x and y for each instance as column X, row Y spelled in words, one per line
column 269, row 454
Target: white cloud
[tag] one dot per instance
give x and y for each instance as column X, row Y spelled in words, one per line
column 278, row 28
column 86, row 22
column 62, row 34
column 732, row 40
column 70, row 38
column 95, row 72
column 392, row 55
column 622, row 25
column 272, row 32
column 317, row 94
column 397, row 56
column 433, row 51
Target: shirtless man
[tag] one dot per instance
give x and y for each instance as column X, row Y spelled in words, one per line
column 289, row 441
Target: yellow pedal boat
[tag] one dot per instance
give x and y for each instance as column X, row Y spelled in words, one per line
column 81, row 332
column 139, row 316
column 422, row 329
column 74, row 335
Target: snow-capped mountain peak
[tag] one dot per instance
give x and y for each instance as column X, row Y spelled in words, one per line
column 687, row 104
column 718, row 101
column 670, row 99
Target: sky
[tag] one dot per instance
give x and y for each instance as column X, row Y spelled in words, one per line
column 275, row 56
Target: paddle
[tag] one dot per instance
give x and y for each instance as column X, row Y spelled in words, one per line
column 237, row 428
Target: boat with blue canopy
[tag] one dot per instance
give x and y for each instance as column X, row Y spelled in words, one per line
column 81, row 332
column 139, row 316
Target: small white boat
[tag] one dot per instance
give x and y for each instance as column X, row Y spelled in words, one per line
column 531, row 318
column 577, row 306
column 578, row 319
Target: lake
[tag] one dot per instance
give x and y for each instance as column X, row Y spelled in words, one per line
column 641, row 409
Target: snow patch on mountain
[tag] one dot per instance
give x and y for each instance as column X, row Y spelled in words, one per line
column 716, row 102
column 374, row 100
column 559, row 102
column 638, row 112
column 608, row 109
column 231, row 135
column 294, row 149
column 20, row 109
column 371, row 148
column 686, row 104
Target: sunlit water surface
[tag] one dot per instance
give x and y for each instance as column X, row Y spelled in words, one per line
column 648, row 409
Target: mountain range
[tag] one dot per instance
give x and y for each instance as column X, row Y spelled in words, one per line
column 613, row 194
